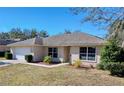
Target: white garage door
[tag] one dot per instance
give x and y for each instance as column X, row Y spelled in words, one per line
column 21, row 52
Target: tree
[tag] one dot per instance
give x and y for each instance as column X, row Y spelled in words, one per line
column 116, row 30
column 67, row 31
column 16, row 33
column 110, row 52
column 27, row 34
column 33, row 33
column 4, row 35
column 43, row 33
column 105, row 18
column 100, row 15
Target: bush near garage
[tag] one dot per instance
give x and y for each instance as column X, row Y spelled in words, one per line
column 29, row 58
column 8, row 56
column 2, row 53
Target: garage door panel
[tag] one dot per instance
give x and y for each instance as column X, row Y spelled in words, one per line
column 21, row 52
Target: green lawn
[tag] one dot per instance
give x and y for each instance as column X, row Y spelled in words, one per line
column 20, row 74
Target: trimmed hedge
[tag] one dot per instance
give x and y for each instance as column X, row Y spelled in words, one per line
column 29, row 58
column 8, row 55
column 2, row 53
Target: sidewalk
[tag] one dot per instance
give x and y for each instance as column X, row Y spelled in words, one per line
column 47, row 66
column 33, row 64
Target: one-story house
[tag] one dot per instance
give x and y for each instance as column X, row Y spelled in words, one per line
column 63, row 48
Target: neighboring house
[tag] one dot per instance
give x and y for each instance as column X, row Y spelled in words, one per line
column 3, row 44
column 64, row 48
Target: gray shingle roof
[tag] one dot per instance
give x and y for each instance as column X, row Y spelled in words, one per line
column 28, row 42
column 5, row 42
column 73, row 39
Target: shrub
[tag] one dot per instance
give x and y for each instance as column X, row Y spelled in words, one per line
column 77, row 63
column 29, row 58
column 101, row 66
column 8, row 51
column 2, row 54
column 47, row 59
column 111, row 51
column 120, row 57
column 105, row 66
column 8, row 55
column 117, row 69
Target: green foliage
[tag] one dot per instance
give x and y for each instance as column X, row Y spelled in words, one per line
column 4, row 35
column 77, row 63
column 120, row 57
column 23, row 34
column 117, row 69
column 33, row 33
column 105, row 66
column 16, row 33
column 112, row 52
column 47, row 59
column 2, row 53
column 112, row 55
column 8, row 55
column 116, row 30
column 43, row 33
column 29, row 58
column 67, row 31
column 101, row 66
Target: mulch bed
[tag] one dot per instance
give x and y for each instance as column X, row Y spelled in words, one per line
column 53, row 63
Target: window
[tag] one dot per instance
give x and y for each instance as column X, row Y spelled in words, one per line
column 87, row 53
column 53, row 52
column 91, row 53
column 83, row 53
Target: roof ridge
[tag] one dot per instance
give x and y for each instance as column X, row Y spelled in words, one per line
column 76, row 32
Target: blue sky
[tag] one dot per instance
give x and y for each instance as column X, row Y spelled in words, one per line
column 53, row 20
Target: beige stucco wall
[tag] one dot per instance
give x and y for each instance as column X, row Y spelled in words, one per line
column 38, row 53
column 4, row 48
column 74, row 52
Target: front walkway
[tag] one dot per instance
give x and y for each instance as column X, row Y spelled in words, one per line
column 34, row 64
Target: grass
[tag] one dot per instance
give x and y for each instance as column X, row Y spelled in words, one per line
column 2, row 58
column 20, row 74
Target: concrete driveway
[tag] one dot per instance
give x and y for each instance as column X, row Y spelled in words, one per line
column 9, row 62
